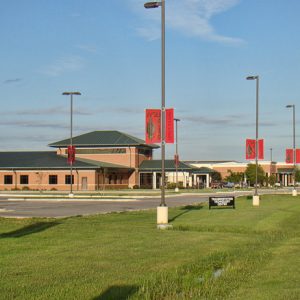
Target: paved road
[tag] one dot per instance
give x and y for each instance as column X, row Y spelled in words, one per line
column 64, row 208
column 54, row 208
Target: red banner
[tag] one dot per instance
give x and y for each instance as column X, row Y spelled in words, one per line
column 153, row 126
column 289, row 157
column 71, row 154
column 297, row 156
column 170, row 125
column 250, row 149
column 260, row 149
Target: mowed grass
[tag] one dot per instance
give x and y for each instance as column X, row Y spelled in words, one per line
column 246, row 253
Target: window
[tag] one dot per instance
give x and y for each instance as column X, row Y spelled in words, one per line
column 68, row 179
column 23, row 179
column 146, row 152
column 8, row 179
column 52, row 179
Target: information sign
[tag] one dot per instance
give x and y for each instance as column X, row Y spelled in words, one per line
column 222, row 201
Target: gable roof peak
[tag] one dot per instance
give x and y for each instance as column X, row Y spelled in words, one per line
column 103, row 138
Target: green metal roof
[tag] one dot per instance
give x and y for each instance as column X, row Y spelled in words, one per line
column 155, row 165
column 47, row 160
column 110, row 138
column 202, row 170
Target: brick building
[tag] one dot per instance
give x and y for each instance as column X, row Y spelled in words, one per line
column 104, row 159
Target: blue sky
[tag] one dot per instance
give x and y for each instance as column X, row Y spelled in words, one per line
column 110, row 52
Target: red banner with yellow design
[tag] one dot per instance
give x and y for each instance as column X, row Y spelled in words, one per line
column 289, row 156
column 153, row 126
column 170, row 126
column 251, row 149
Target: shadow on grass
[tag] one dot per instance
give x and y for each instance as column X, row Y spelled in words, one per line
column 186, row 209
column 120, row 292
column 30, row 229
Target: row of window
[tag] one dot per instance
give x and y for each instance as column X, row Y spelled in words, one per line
column 24, row 179
column 99, row 151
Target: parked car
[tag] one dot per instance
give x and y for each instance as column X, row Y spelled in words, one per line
column 228, row 185
column 216, row 185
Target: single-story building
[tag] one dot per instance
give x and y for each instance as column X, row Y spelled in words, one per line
column 282, row 171
column 188, row 176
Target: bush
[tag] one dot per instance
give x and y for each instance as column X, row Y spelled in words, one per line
column 171, row 185
column 25, row 188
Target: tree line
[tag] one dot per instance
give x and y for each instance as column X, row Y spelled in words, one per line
column 250, row 175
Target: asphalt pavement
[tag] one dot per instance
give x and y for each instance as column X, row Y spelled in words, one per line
column 26, row 207
column 59, row 208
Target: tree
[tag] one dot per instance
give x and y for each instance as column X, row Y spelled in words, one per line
column 235, row 177
column 216, row 176
column 272, row 180
column 251, row 174
column 297, row 175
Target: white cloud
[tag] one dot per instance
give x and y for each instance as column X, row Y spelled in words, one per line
column 190, row 17
column 149, row 34
column 62, row 65
column 87, row 48
column 9, row 81
column 58, row 110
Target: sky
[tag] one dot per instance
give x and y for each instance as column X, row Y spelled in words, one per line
column 110, row 52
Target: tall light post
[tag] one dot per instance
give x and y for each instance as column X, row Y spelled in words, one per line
column 162, row 210
column 271, row 161
column 176, row 154
column 255, row 200
column 294, row 148
column 71, row 137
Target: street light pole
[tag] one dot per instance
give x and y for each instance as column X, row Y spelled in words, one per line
column 255, row 201
column 163, row 104
column 162, row 210
column 294, row 148
column 271, row 162
column 71, row 137
column 176, row 154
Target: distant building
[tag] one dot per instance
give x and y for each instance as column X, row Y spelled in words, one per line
column 282, row 170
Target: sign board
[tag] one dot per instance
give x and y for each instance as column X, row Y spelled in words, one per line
column 222, row 201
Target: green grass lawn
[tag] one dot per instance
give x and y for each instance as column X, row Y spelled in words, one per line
column 246, row 253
